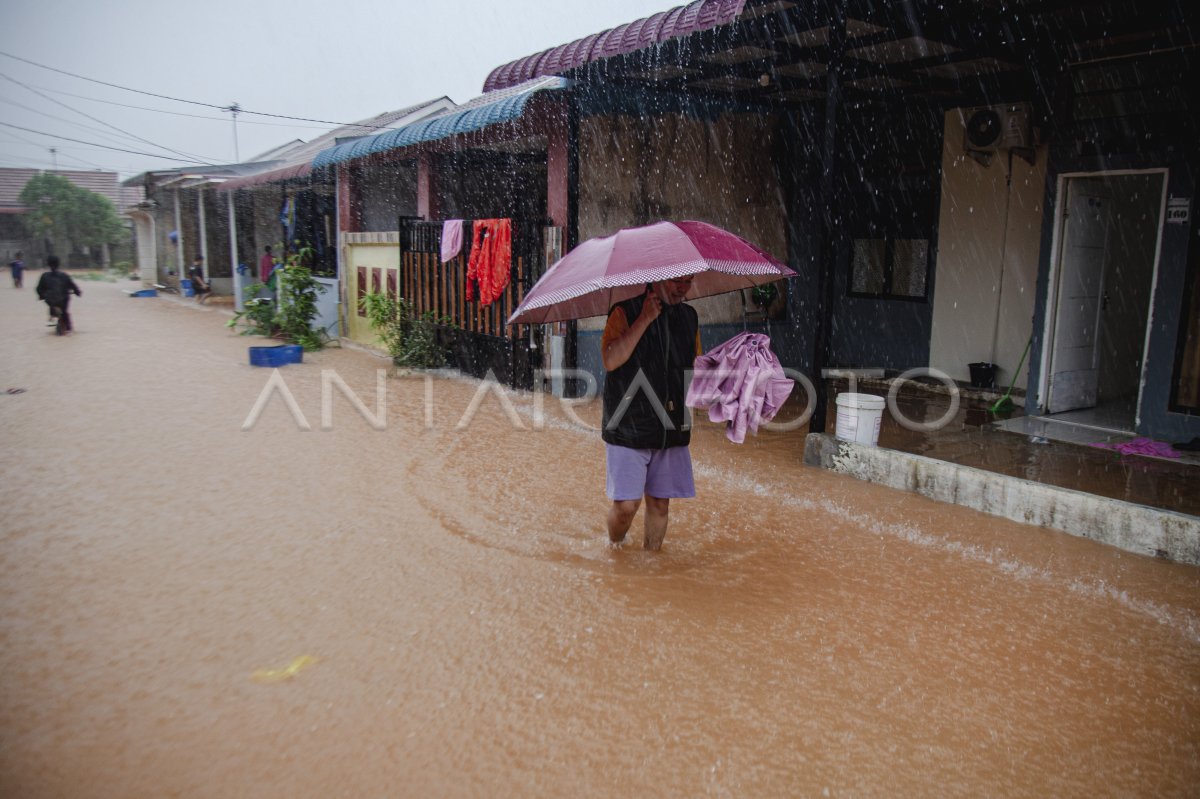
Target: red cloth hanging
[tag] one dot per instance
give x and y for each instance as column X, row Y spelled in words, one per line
column 490, row 264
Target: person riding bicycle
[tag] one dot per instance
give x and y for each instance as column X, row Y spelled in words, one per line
column 55, row 289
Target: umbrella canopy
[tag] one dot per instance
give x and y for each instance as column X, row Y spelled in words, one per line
column 589, row 279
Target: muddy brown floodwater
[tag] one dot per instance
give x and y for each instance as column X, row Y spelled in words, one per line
column 801, row 633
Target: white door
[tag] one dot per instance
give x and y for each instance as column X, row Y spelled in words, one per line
column 1074, row 364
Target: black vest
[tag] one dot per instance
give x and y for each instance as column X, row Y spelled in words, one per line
column 652, row 383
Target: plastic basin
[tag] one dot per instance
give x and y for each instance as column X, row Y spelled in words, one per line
column 277, row 355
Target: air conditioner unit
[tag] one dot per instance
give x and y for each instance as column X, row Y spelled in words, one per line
column 997, row 127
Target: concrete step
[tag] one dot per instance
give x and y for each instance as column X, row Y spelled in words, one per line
column 1135, row 528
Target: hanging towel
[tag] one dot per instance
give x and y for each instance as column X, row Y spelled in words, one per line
column 477, row 257
column 741, row 382
column 451, row 239
column 490, row 266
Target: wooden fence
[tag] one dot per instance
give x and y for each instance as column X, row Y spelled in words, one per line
column 478, row 336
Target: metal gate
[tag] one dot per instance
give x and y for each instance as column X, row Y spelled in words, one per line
column 477, row 337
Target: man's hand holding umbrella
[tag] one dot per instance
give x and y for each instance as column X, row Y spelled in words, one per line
column 673, row 291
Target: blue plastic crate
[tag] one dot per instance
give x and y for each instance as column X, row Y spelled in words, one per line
column 278, row 355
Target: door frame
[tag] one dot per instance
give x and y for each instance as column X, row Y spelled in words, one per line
column 1052, row 284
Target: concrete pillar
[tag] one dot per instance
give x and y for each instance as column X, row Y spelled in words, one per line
column 146, row 255
column 203, row 230
column 179, row 268
column 826, row 267
column 426, row 187
column 558, row 171
column 238, row 278
column 349, row 205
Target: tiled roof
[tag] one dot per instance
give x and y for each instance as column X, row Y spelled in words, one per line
column 270, row 176
column 632, row 36
column 13, row 180
column 502, row 105
column 131, row 195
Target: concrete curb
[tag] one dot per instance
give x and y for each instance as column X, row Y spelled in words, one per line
column 1135, row 528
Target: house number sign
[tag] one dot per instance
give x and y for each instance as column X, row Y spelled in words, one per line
column 1178, row 210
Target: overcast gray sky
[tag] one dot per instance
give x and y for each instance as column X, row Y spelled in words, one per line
column 339, row 61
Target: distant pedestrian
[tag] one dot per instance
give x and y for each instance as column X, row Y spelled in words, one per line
column 55, row 289
column 199, row 284
column 18, row 271
column 266, row 265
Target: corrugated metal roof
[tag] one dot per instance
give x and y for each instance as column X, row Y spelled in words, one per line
column 489, row 109
column 196, row 175
column 298, row 156
column 380, row 123
column 680, row 21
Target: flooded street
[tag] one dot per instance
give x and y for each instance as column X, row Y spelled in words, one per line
column 800, row 634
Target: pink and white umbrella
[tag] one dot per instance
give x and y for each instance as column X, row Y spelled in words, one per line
column 589, row 279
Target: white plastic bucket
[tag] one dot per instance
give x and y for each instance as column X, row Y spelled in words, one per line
column 859, row 417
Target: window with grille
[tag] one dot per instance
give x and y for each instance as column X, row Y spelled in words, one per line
column 889, row 268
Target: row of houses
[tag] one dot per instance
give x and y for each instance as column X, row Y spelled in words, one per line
column 955, row 182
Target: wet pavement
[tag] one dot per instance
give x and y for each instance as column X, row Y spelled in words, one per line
column 968, row 440
column 165, row 573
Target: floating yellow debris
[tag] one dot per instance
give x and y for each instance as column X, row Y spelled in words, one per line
column 287, row 673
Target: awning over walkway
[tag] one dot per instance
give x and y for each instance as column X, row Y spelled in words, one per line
column 489, row 109
column 700, row 15
column 271, row 176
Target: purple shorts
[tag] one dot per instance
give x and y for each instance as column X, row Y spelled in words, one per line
column 662, row 473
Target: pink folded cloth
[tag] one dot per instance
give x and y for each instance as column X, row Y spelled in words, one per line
column 452, row 239
column 741, row 382
column 1141, row 446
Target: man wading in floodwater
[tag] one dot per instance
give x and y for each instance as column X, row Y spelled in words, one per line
column 646, row 429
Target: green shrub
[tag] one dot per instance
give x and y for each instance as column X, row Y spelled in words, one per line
column 411, row 341
column 291, row 317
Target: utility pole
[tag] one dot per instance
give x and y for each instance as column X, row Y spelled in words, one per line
column 234, row 109
column 54, row 157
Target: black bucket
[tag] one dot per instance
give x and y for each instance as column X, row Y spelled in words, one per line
column 983, row 375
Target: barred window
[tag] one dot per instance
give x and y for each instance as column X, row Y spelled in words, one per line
column 895, row 268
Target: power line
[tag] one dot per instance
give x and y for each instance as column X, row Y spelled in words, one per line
column 179, row 113
column 190, row 102
column 92, row 164
column 24, row 140
column 94, row 144
column 101, row 121
column 41, row 163
column 100, row 132
column 12, row 139
column 25, row 161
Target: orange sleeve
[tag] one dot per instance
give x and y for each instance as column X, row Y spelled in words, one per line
column 616, row 326
column 699, row 349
